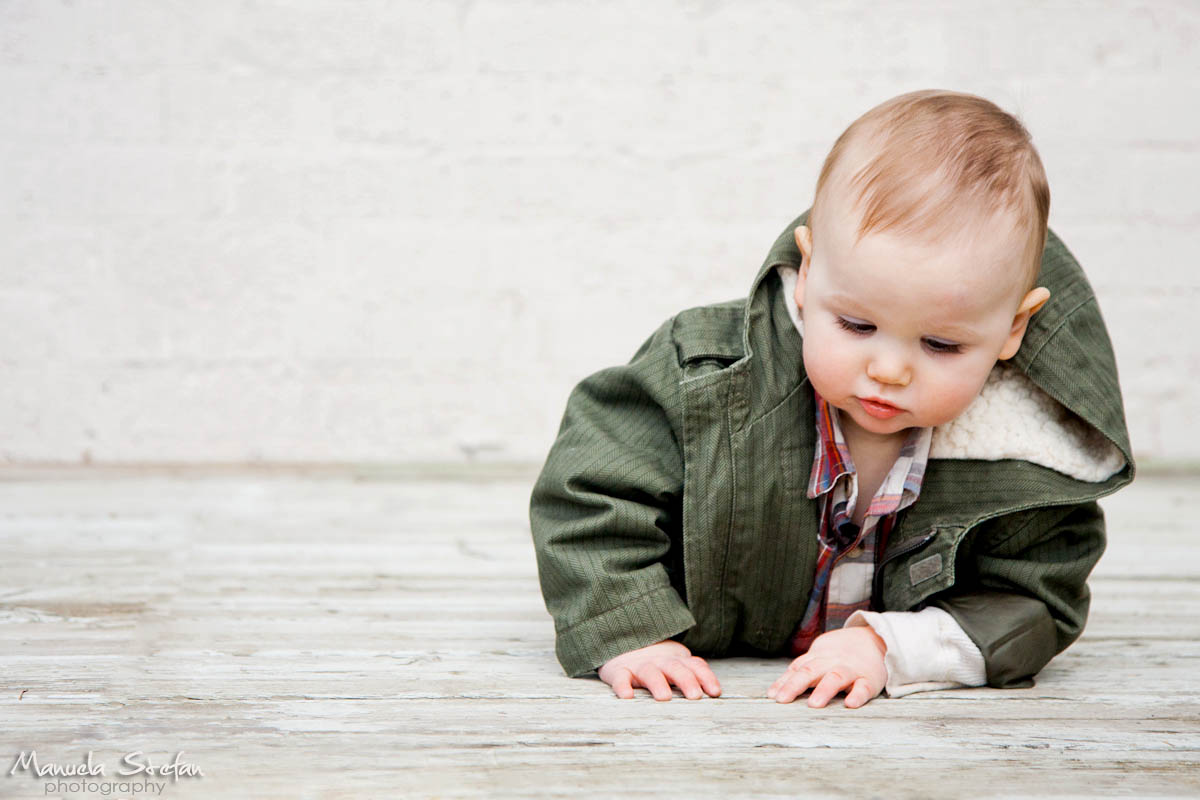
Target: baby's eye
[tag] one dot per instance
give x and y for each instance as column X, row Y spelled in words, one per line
column 942, row 346
column 855, row 326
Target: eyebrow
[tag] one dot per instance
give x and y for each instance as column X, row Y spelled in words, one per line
column 952, row 331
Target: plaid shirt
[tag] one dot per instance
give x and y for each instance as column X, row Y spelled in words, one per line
column 847, row 554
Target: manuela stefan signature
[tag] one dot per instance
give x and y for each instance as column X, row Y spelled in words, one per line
column 133, row 763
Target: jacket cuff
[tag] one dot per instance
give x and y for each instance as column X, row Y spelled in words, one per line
column 652, row 617
column 926, row 650
column 1015, row 633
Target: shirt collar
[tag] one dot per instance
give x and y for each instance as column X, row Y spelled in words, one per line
column 831, row 461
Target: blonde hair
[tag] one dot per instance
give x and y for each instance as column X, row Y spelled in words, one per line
column 934, row 154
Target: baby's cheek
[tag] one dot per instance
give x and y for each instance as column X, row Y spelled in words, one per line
column 825, row 370
column 824, row 381
column 953, row 399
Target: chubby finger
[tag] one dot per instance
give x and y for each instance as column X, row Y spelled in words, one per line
column 795, row 664
column 861, row 694
column 622, row 683
column 651, row 677
column 708, row 678
column 681, row 675
column 795, row 683
column 834, row 681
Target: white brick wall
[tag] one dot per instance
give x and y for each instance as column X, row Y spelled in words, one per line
column 401, row 231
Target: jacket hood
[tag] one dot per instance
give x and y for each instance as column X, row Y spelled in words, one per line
column 1056, row 403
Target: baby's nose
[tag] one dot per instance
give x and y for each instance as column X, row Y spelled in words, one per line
column 890, row 371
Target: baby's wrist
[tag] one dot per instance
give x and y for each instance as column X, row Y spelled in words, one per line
column 875, row 639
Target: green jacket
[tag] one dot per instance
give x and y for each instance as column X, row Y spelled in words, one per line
column 673, row 501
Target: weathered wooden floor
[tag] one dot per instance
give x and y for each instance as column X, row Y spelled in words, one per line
column 330, row 636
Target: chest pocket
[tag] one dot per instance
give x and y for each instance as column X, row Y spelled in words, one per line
column 703, row 365
column 708, row 339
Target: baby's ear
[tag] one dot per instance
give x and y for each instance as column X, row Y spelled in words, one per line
column 1034, row 300
column 803, row 236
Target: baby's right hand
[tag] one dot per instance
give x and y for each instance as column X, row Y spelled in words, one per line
column 657, row 666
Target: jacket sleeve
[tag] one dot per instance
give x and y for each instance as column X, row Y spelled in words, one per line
column 605, row 512
column 1022, row 595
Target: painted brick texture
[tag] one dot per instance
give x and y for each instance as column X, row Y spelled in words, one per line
column 401, row 232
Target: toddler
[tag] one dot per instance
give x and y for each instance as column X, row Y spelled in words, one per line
column 882, row 463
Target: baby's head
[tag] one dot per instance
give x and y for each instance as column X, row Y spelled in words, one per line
column 920, row 258
column 936, row 165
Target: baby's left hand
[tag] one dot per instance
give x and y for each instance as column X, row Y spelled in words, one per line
column 848, row 659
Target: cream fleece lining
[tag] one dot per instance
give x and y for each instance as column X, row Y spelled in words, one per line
column 1011, row 418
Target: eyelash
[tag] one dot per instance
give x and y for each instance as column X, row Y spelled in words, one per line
column 933, row 345
column 854, row 327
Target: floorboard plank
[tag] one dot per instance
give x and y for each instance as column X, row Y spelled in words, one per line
column 324, row 636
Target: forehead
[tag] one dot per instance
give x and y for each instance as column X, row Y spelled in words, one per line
column 970, row 243
column 974, row 261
